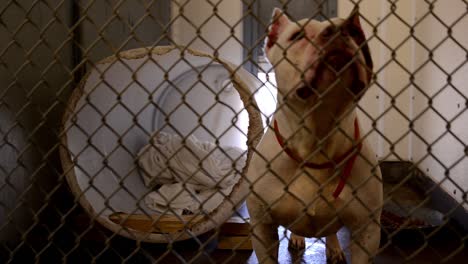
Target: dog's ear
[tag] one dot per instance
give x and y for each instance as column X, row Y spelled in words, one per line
column 278, row 21
column 352, row 26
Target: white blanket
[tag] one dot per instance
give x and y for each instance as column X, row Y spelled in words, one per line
column 194, row 176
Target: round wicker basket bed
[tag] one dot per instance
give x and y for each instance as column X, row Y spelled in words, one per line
column 119, row 104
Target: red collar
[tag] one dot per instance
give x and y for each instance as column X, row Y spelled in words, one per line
column 351, row 155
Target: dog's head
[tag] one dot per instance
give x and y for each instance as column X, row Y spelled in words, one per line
column 314, row 59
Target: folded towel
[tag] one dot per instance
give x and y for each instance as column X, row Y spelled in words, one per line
column 192, row 175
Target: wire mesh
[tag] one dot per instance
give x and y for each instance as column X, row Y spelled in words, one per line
column 87, row 85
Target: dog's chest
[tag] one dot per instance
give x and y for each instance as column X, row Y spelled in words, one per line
column 310, row 219
column 304, row 205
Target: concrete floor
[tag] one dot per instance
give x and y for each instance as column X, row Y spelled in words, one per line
column 71, row 240
column 399, row 250
column 447, row 245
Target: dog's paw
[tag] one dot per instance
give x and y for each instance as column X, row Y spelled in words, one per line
column 335, row 256
column 296, row 242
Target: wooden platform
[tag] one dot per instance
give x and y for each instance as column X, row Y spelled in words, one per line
column 233, row 234
column 155, row 223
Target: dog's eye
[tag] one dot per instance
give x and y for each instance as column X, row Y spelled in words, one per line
column 297, row 36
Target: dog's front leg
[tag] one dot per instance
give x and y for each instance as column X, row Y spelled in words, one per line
column 296, row 242
column 265, row 242
column 264, row 235
column 365, row 241
column 335, row 254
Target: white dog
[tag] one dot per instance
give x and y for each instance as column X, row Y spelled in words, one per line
column 312, row 172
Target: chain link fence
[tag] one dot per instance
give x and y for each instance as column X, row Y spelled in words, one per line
column 127, row 129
